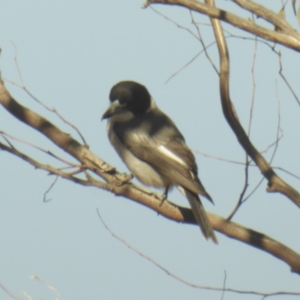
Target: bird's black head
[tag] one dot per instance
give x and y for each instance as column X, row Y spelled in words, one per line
column 132, row 95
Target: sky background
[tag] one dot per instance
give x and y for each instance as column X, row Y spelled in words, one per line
column 70, row 54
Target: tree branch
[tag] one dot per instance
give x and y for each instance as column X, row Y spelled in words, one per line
column 290, row 41
column 129, row 190
column 268, row 15
column 275, row 183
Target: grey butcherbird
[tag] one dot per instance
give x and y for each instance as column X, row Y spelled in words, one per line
column 152, row 147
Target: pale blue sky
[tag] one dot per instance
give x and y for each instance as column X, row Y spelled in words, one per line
column 70, row 53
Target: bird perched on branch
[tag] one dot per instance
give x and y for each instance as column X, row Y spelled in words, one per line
column 152, row 147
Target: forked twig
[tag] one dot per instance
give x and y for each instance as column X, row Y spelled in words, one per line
column 24, row 88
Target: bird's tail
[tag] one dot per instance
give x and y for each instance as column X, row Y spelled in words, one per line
column 200, row 215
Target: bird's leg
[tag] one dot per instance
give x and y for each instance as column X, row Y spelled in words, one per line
column 164, row 196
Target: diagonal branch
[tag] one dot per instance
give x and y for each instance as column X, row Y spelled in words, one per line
column 129, row 190
column 246, row 25
column 269, row 16
column 275, row 183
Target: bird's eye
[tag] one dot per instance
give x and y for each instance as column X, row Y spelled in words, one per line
column 124, row 97
column 122, row 104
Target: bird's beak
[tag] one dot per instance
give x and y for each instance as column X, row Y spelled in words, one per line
column 113, row 109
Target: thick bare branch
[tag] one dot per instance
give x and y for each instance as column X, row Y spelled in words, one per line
column 180, row 214
column 275, row 183
column 268, row 15
column 59, row 138
column 247, row 25
column 130, row 191
column 258, row 240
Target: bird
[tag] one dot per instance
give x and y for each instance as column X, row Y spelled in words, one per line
column 153, row 148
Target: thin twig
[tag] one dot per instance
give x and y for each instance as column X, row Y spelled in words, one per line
column 253, row 87
column 53, row 110
column 10, row 293
column 6, row 135
column 201, row 287
column 246, row 184
column 183, row 67
column 219, row 158
column 254, row 189
column 48, row 286
column 234, row 161
column 48, row 190
column 285, row 80
column 24, row 88
column 199, row 38
column 175, row 23
column 278, row 137
column 17, row 63
column 224, row 285
column 278, row 124
column 273, row 144
column 288, row 172
column 203, row 44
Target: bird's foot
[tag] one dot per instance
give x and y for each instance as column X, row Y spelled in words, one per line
column 123, row 178
column 164, row 196
column 162, row 199
column 159, row 197
column 106, row 168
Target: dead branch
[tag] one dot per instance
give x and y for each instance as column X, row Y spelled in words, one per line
column 114, row 184
column 275, row 183
column 269, row 16
column 290, row 41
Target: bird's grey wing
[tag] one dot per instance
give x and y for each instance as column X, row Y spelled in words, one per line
column 171, row 157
